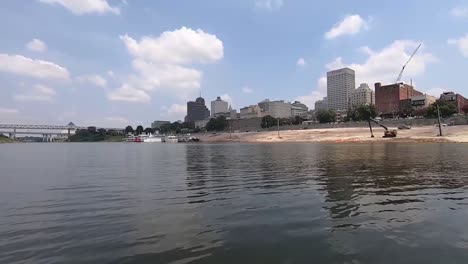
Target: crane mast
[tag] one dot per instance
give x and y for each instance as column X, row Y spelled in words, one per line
column 404, row 66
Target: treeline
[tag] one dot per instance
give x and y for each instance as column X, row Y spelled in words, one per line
column 171, row 128
column 91, row 134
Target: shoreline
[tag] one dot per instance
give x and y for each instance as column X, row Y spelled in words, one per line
column 423, row 134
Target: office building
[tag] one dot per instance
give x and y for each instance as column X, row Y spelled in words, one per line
column 340, row 85
column 197, row 110
column 219, row 107
column 251, row 111
column 298, row 109
column 422, row 101
column 157, row 124
column 363, row 95
column 321, row 104
column 277, row 109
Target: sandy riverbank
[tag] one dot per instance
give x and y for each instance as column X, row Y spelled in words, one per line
column 339, row 135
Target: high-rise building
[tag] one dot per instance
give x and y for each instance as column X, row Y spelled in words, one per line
column 277, row 109
column 340, row 85
column 363, row 95
column 321, row 104
column 219, row 106
column 197, row 110
column 298, row 109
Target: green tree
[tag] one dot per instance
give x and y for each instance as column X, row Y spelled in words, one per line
column 366, row 112
column 268, row 121
column 129, row 129
column 297, row 120
column 324, row 116
column 139, row 130
column 148, row 130
column 216, row 124
column 447, row 109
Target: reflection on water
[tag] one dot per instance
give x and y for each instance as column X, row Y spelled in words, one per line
column 279, row 203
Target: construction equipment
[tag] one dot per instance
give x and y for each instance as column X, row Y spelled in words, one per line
column 404, row 66
column 387, row 133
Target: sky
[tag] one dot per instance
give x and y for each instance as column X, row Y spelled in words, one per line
column 110, row 63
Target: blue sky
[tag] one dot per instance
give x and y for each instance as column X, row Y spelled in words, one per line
column 114, row 62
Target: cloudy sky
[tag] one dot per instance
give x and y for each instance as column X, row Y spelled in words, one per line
column 117, row 62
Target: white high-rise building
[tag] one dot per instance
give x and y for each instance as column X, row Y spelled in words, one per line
column 219, row 106
column 340, row 85
column 363, row 95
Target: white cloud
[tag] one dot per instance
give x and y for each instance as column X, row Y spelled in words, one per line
column 436, row 91
column 374, row 70
column 161, row 62
column 247, row 90
column 82, row 7
column 94, row 79
column 8, row 111
column 114, row 121
column 317, row 94
column 459, row 11
column 227, row 98
column 21, row 65
column 350, row 25
column 126, row 93
column 110, row 73
column 301, row 62
column 38, row 93
column 269, row 5
column 177, row 109
column 182, row 46
column 36, row 45
column 461, row 43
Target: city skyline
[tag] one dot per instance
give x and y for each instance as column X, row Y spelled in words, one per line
column 117, row 62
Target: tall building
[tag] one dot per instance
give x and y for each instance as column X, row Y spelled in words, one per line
column 340, row 85
column 321, row 104
column 363, row 95
column 277, row 109
column 219, row 106
column 391, row 100
column 157, row 124
column 197, row 110
column 298, row 109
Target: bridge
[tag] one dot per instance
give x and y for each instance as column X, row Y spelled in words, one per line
column 47, row 131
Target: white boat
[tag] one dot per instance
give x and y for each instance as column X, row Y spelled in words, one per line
column 172, row 139
column 153, row 139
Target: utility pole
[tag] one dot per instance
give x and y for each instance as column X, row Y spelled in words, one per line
column 278, row 127
column 370, row 127
column 440, row 125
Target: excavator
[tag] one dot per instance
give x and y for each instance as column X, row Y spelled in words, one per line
column 387, row 133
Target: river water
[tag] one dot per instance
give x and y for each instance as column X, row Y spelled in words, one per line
column 236, row 203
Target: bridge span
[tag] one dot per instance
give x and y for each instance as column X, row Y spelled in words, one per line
column 47, row 131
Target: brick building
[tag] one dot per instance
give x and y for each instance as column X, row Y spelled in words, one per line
column 456, row 99
column 390, row 100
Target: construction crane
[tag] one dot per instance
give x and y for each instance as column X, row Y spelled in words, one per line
column 404, row 66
